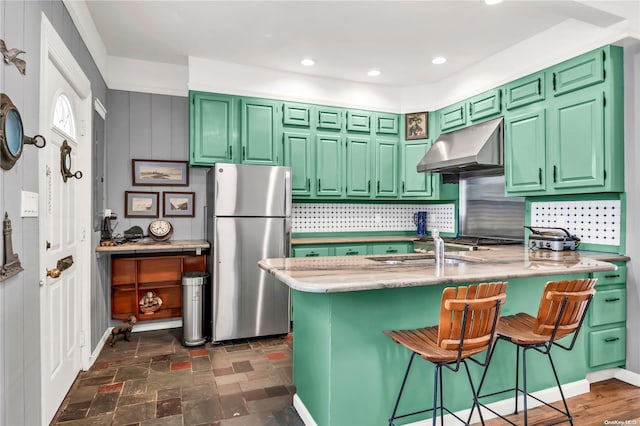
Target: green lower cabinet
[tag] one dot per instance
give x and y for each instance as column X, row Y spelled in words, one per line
column 350, row 250
column 607, row 347
column 310, row 251
column 391, row 248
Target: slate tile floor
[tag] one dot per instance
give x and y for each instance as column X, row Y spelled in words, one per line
column 154, row 380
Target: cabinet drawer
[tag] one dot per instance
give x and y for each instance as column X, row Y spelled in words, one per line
column 618, row 276
column 608, row 306
column 607, row 346
column 524, row 91
column 391, row 248
column 351, row 250
column 295, row 115
column 310, row 252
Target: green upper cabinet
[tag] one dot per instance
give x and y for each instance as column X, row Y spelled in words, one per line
column 524, row 91
column 577, row 73
column 386, row 167
column 485, row 105
column 452, row 116
column 212, row 128
column 524, row 153
column 298, row 151
column 296, row 114
column 358, row 167
column 329, row 166
column 330, row 118
column 358, row 121
column 386, row 124
column 260, row 129
column 414, row 184
column 577, row 137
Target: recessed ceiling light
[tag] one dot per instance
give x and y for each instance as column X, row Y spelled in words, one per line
column 374, row 73
column 492, row 2
column 308, row 62
column 439, row 60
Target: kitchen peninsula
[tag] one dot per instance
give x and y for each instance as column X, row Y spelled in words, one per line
column 347, row 372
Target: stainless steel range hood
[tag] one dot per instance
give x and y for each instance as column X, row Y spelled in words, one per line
column 477, row 147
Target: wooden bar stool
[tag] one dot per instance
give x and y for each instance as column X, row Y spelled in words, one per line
column 562, row 309
column 467, row 326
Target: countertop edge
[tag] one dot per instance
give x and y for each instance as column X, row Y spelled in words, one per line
column 151, row 246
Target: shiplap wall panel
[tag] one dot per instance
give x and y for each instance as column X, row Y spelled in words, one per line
column 161, row 127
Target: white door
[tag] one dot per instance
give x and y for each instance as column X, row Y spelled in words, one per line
column 64, row 212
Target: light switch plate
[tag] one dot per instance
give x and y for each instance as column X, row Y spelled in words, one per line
column 29, row 204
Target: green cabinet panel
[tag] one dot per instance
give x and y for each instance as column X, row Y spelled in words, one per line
column 298, row 151
column 607, row 346
column 296, row 114
column 608, row 306
column 386, row 172
column 387, row 123
column 414, row 184
column 259, row 132
column 524, row 91
column 611, row 277
column 524, row 153
column 310, row 251
column 577, row 73
column 453, row 116
column 351, row 250
column 391, row 248
column 358, row 167
column 330, row 118
column 358, row 121
column 485, row 105
column 212, row 128
column 577, row 141
column 329, row 165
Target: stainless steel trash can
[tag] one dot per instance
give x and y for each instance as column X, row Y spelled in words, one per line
column 193, row 308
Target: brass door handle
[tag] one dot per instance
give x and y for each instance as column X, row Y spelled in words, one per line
column 62, row 264
column 54, row 273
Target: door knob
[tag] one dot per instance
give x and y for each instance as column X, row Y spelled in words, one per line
column 54, row 273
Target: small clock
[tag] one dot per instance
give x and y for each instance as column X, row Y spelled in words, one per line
column 160, row 230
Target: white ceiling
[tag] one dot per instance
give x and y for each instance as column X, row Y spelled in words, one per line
column 347, row 38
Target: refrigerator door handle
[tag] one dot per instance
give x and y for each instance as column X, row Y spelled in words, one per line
column 287, row 237
column 287, row 189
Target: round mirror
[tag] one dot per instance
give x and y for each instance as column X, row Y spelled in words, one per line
column 11, row 133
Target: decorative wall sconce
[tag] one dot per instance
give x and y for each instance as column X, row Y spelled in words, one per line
column 65, row 163
column 12, row 137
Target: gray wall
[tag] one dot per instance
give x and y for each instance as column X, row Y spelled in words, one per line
column 150, row 127
column 19, row 295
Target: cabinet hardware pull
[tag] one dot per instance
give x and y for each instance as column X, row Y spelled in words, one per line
column 611, row 339
column 403, row 187
column 369, row 186
column 613, row 299
column 539, row 86
column 230, row 152
column 612, row 276
column 470, row 111
column 392, row 251
column 378, row 186
column 540, row 175
column 308, row 184
column 351, row 253
column 318, row 185
column 244, row 153
column 554, row 81
column 555, row 168
column 312, row 255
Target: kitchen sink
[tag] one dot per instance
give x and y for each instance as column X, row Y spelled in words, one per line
column 419, row 260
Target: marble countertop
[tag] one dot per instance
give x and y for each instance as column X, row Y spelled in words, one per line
column 149, row 245
column 355, row 239
column 354, row 273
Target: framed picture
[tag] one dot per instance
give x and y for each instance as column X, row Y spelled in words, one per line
column 416, row 126
column 160, row 172
column 178, row 204
column 140, row 204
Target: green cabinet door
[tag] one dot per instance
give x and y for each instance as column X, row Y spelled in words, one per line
column 525, row 153
column 387, row 124
column 414, row 184
column 358, row 167
column 524, row 91
column 577, row 73
column 297, row 154
column 358, row 121
column 313, row 251
column 577, row 141
column 386, row 175
column 259, row 131
column 212, row 128
column 296, row 114
column 329, row 166
column 391, row 248
column 452, row 116
column 351, row 250
column 330, row 118
column 485, row 105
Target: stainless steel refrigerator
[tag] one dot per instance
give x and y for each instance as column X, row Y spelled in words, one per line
column 248, row 219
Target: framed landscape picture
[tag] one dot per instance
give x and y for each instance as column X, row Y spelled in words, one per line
column 416, row 126
column 140, row 204
column 160, row 172
column 178, row 204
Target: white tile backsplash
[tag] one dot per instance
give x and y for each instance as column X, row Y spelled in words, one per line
column 594, row 222
column 321, row 217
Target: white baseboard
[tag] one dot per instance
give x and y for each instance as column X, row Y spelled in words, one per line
column 628, row 377
column 94, row 355
column 504, row 407
column 600, row 375
column 156, row 325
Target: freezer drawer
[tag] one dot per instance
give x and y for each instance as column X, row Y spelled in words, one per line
column 247, row 301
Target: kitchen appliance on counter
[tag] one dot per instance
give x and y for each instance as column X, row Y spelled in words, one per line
column 551, row 238
column 248, row 219
column 420, row 220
